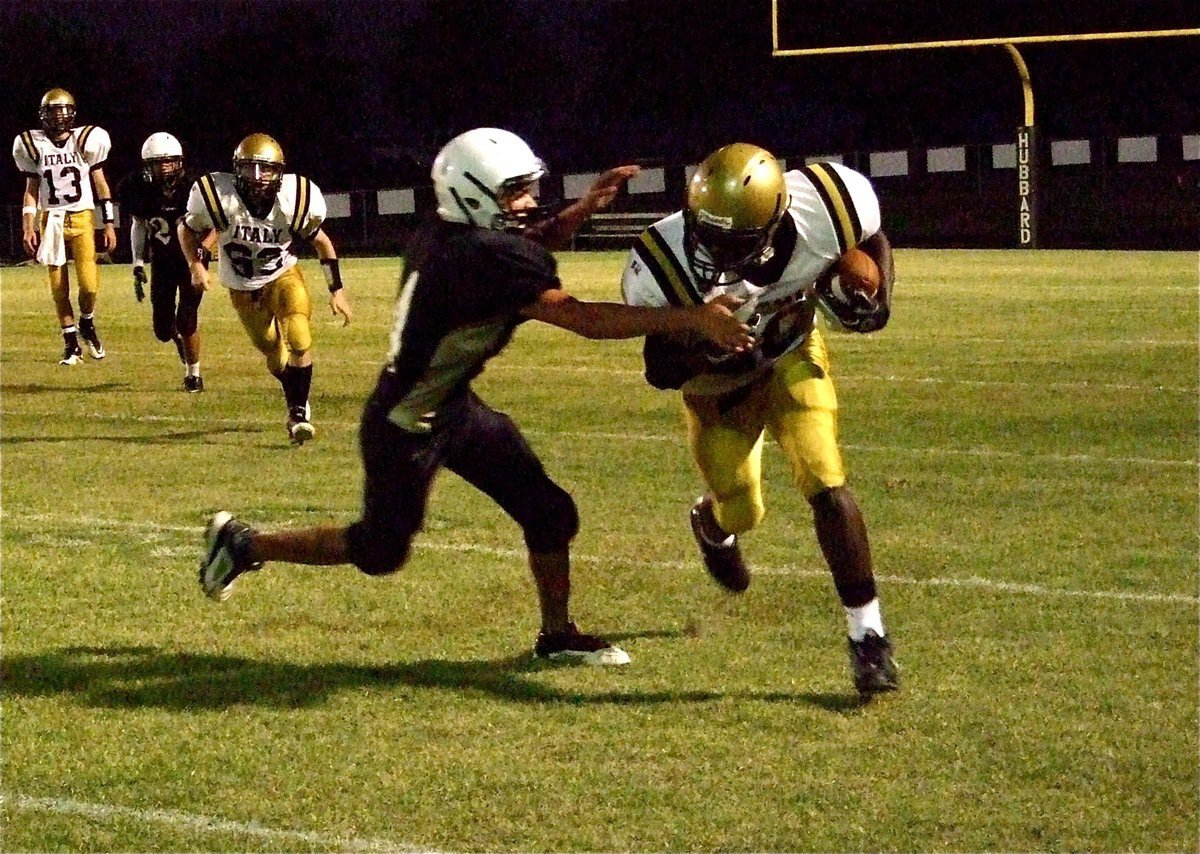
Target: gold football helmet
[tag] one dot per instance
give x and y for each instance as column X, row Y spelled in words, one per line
column 258, row 171
column 57, row 113
column 735, row 201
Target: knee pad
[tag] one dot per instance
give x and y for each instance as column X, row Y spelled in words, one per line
column 739, row 513
column 296, row 332
column 374, row 553
column 556, row 525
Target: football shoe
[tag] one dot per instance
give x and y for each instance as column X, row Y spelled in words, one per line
column 722, row 560
column 572, row 645
column 872, row 664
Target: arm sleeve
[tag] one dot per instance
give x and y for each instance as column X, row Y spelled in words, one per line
column 137, row 239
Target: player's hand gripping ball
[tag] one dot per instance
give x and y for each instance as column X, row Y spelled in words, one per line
column 855, row 276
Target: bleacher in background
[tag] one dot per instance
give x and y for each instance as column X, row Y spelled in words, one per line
column 1129, row 193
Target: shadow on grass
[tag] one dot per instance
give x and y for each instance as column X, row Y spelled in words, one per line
column 171, row 438
column 145, row 676
column 41, row 388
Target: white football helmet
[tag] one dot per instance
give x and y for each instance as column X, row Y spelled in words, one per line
column 475, row 168
column 162, row 158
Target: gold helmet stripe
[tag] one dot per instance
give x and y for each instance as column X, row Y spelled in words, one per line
column 30, row 148
column 303, row 201
column 208, row 192
column 838, row 203
column 666, row 269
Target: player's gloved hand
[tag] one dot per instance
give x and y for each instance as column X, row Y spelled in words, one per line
column 139, row 283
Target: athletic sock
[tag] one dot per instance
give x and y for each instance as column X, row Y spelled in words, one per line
column 864, row 617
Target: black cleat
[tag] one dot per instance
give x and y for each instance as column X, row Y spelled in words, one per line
column 87, row 331
column 193, row 385
column 299, row 428
column 572, row 645
column 226, row 555
column 722, row 560
column 872, row 665
column 72, row 355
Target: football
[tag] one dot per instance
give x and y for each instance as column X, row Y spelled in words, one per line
column 855, row 273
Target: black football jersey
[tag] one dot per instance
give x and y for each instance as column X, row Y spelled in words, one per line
column 139, row 197
column 458, row 305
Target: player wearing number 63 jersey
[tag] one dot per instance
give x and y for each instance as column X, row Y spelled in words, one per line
column 257, row 212
column 62, row 164
column 766, row 238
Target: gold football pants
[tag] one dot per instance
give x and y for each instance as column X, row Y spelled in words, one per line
column 277, row 317
column 79, row 235
column 797, row 404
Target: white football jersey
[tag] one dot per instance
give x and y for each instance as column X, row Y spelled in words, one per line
column 834, row 209
column 254, row 251
column 63, row 169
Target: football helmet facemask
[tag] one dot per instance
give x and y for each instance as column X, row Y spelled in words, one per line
column 57, row 113
column 162, row 160
column 477, row 176
column 258, row 172
column 735, row 201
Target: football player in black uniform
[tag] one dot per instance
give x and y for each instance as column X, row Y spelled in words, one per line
column 471, row 277
column 156, row 197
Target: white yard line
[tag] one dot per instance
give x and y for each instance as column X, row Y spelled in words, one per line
column 200, row 823
column 673, row 438
column 427, row 543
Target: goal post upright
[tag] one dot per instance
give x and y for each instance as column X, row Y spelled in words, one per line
column 1027, row 152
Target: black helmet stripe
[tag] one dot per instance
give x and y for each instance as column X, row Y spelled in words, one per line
column 480, row 185
column 462, row 206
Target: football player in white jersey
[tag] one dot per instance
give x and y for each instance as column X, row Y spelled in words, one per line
column 771, row 240
column 63, row 167
column 256, row 212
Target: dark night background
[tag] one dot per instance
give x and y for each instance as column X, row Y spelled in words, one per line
column 361, row 94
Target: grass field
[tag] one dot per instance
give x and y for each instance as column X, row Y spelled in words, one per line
column 1022, row 438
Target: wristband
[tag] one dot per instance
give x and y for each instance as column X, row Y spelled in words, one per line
column 106, row 211
column 29, row 209
column 203, row 255
column 333, row 274
column 139, row 264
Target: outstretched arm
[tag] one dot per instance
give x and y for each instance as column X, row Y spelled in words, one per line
column 713, row 321
column 556, row 233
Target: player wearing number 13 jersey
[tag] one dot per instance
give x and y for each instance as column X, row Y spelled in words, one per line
column 257, row 212
column 62, row 165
